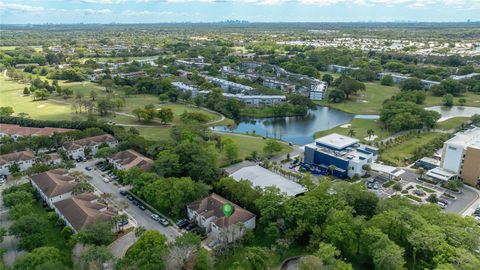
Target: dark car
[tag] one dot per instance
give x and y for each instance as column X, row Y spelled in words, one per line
column 182, row 223
column 369, row 185
column 142, row 207
column 88, row 168
column 123, row 192
column 130, row 197
column 190, row 227
column 164, row 222
column 123, row 222
column 135, row 202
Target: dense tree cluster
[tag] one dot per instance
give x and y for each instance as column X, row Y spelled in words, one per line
column 404, row 115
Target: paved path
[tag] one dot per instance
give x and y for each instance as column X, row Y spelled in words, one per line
column 120, row 246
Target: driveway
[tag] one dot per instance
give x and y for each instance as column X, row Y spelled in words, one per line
column 137, row 216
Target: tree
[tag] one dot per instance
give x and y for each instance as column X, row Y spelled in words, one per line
column 83, row 187
column 448, row 100
column 26, row 91
column 421, row 171
column 165, row 115
column 411, row 84
column 96, row 234
column 17, row 197
column 30, row 230
column 272, row 147
column 327, row 78
column 370, row 133
column 94, row 258
column 6, row 111
column 387, row 80
column 183, row 251
column 168, row 164
column 336, row 96
column 432, row 198
column 310, row 262
column 397, row 187
column 147, row 253
column 93, row 95
column 231, row 149
column 462, row 101
column 40, row 94
column 41, row 258
column 475, row 119
column 257, row 257
column 351, row 133
column 450, row 86
column 203, row 262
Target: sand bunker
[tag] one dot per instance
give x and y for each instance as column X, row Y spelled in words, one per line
column 371, row 138
column 345, row 126
column 41, row 106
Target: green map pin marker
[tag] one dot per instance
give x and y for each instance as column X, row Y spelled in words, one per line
column 227, row 210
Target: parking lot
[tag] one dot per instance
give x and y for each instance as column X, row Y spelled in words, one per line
column 137, row 216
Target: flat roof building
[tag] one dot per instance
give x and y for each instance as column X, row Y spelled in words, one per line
column 342, row 153
column 263, row 178
column 257, row 100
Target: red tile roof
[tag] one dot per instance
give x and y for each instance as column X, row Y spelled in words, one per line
column 55, row 182
column 130, row 158
column 16, row 157
column 89, row 142
column 30, row 131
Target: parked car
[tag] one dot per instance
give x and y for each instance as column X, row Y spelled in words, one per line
column 419, row 192
column 123, row 222
column 88, row 168
column 134, row 202
column 441, row 204
column 190, row 227
column 142, row 207
column 212, row 244
column 369, row 185
column 164, row 222
column 155, row 217
column 376, row 186
column 106, row 180
column 182, row 223
column 130, row 197
column 2, row 181
column 123, row 192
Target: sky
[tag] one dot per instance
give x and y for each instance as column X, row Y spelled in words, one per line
column 157, row 11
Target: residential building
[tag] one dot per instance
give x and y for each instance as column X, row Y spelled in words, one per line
column 461, row 155
column 24, row 159
column 263, row 178
column 83, row 210
column 276, row 84
column 318, row 90
column 134, row 74
column 76, row 149
column 198, row 62
column 229, row 86
column 340, row 69
column 16, row 131
column 186, row 87
column 127, row 159
column 345, row 155
column 26, row 65
column 207, row 214
column 398, row 78
column 54, row 185
column 257, row 100
column 464, row 77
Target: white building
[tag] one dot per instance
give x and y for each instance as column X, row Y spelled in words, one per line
column 186, row 87
column 257, row 100
column 261, row 177
column 318, row 90
column 464, row 77
column 229, row 86
column 54, row 185
column 198, row 62
column 76, row 149
column 125, row 160
column 16, row 131
column 340, row 69
column 207, row 214
column 24, row 159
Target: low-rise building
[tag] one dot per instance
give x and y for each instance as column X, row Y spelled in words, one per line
column 186, row 87
column 54, row 185
column 127, row 159
column 340, row 69
column 197, row 62
column 464, row 77
column 261, row 177
column 24, row 159
column 318, row 90
column 228, row 86
column 76, row 149
column 83, row 210
column 207, row 214
column 339, row 155
column 16, row 131
column 398, row 78
column 257, row 100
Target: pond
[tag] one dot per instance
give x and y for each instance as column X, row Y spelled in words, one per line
column 455, row 111
column 295, row 129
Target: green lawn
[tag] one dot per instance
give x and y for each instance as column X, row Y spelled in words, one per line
column 360, row 127
column 83, row 87
column 399, row 153
column 452, row 123
column 471, row 98
column 248, row 144
column 365, row 102
column 154, row 133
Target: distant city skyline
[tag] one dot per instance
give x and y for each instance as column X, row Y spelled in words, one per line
column 158, row 11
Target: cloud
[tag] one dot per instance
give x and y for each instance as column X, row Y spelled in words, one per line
column 10, row 7
column 103, row 1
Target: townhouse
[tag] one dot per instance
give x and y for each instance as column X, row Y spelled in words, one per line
column 54, row 185
column 24, row 159
column 76, row 149
column 207, row 213
column 16, row 131
column 127, row 159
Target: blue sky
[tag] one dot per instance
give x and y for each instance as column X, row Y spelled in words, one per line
column 151, row 11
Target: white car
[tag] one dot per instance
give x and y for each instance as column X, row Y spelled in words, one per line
column 106, row 180
column 155, row 217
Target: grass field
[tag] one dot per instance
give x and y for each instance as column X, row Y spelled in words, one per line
column 248, row 144
column 360, row 127
column 154, row 133
column 452, row 123
column 398, row 153
column 471, row 98
column 365, row 102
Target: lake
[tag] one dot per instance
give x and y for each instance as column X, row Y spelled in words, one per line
column 454, row 111
column 295, row 129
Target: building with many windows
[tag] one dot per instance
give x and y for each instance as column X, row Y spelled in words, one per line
column 257, row 100
column 339, row 155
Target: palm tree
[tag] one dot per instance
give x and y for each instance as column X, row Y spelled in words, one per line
column 351, row 133
column 397, row 187
column 331, row 168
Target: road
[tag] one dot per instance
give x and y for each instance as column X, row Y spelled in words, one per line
column 137, row 216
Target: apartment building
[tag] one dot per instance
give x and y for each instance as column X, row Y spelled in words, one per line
column 128, row 159
column 24, row 159
column 76, row 149
column 54, row 185
column 228, row 86
column 16, row 131
column 257, row 100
